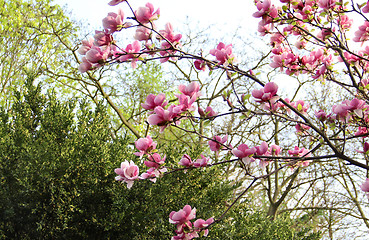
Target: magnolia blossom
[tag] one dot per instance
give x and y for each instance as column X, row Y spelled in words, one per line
column 365, row 187
column 244, row 153
column 223, row 54
column 356, row 107
column 300, row 152
column 85, row 65
column 152, row 101
column 114, row 21
column 267, row 93
column 185, row 102
column 146, row 14
column 218, row 143
column 201, row 162
column 128, row 173
column 169, row 35
column 321, row 115
column 154, row 161
column 98, row 55
column 209, row 112
column 86, row 45
column 103, row 38
column 365, row 9
column 362, row 34
column 144, row 145
column 327, row 4
column 190, row 90
column 142, row 34
column 115, row 2
column 265, row 10
column 186, row 161
column 200, row 64
column 132, row 52
column 200, row 223
column 301, row 106
column 182, row 216
column 274, row 150
column 163, row 117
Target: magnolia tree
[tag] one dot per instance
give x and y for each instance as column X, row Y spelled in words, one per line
column 308, row 39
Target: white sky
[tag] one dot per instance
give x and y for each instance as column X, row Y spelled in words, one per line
column 227, row 14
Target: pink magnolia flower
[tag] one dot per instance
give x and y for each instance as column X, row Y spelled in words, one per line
column 300, row 152
column 201, row 162
column 132, row 52
column 142, row 34
column 103, row 38
column 274, row 150
column 186, row 161
column 276, row 39
column 86, row 46
column 264, row 27
column 362, row 34
column 182, row 216
column 286, row 59
column 365, row 186
column 345, row 22
column 146, row 14
column 343, row 110
column 365, row 9
column 208, row 113
column 321, row 115
column 200, row 224
column 114, row 21
column 265, row 9
column 244, row 153
column 190, row 90
column 128, row 173
column 153, row 101
column 98, row 55
column 267, row 93
column 144, row 145
column 325, row 33
column 163, row 117
column 169, row 35
column 223, row 54
column 115, row 2
column 361, row 131
column 301, row 106
column 301, row 129
column 217, row 144
column 154, row 161
column 327, row 4
column 150, row 174
column 185, row 102
column 85, row 65
column 262, row 149
column 200, row 65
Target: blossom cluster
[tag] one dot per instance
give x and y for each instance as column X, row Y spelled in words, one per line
column 303, row 21
column 185, row 228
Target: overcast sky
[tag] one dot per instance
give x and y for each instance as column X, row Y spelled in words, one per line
column 224, row 14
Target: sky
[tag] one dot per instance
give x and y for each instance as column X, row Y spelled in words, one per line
column 224, row 14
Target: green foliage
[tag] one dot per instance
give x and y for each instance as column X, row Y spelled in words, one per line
column 57, row 162
column 57, row 169
column 32, row 33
